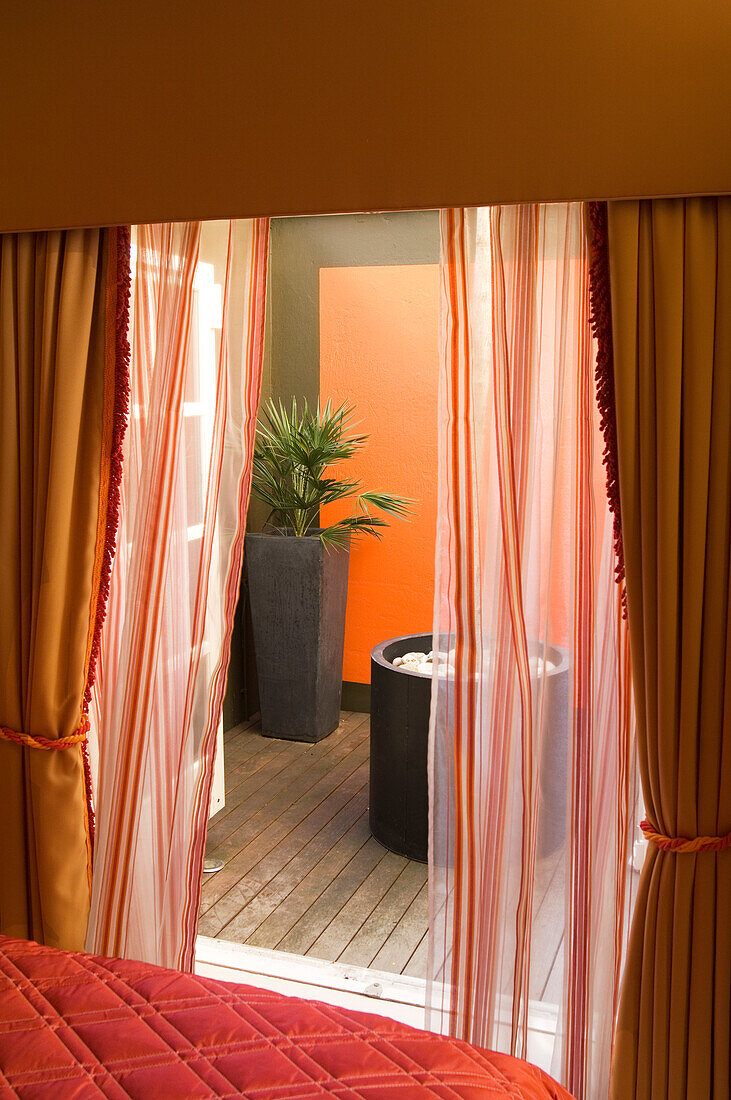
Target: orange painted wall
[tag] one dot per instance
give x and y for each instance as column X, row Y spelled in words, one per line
column 379, row 350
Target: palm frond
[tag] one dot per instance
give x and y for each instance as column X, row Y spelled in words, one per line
column 388, row 502
column 335, row 537
column 292, row 473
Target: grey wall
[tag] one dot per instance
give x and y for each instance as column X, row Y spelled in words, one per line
column 299, row 247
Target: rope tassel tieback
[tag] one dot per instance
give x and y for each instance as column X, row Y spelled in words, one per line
column 683, row 843
column 28, row 741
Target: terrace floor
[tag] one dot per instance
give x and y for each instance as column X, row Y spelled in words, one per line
column 302, row 872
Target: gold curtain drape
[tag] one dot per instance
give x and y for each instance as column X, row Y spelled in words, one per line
column 670, row 269
column 59, row 391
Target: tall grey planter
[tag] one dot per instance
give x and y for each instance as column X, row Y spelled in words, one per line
column 298, row 592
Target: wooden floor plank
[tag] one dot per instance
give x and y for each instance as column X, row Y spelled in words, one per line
column 548, row 919
column 416, row 966
column 248, row 745
column 398, row 947
column 253, row 744
column 273, row 874
column 301, row 759
column 254, row 771
column 302, row 872
column 303, row 934
column 380, row 924
column 234, row 734
column 283, row 812
column 283, row 880
column 552, row 991
column 298, row 902
column 333, row 940
column 246, row 757
column 279, row 784
column 548, row 927
column 288, row 833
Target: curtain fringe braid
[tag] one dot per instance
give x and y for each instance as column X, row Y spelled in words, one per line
column 29, row 741
column 681, row 844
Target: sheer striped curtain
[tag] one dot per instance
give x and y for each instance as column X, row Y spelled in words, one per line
column 197, row 342
column 532, row 772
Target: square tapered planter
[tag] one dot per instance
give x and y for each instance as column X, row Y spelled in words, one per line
column 298, row 592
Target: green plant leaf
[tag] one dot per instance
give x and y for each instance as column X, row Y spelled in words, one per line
column 295, row 471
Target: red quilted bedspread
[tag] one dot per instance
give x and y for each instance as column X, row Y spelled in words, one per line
column 76, row 1026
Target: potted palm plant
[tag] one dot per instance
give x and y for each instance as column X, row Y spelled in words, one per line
column 297, row 570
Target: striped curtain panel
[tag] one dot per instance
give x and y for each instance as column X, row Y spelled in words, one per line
column 532, row 770
column 197, row 341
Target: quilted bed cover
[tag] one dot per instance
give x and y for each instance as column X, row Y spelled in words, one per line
column 74, row 1026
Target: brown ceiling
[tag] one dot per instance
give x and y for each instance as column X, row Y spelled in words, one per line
column 139, row 111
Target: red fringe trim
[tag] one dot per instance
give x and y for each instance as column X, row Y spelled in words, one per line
column 119, row 428
column 89, row 795
column 600, row 317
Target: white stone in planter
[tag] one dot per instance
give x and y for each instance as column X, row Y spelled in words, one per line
column 538, row 667
column 424, row 663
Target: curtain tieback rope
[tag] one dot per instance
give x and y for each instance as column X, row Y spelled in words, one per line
column 683, row 843
column 28, row 741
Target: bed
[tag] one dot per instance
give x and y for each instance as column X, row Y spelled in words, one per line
column 74, row 1026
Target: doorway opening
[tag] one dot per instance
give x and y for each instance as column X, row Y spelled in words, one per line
column 306, row 892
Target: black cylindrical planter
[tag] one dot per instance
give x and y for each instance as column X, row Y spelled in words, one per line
column 553, row 768
column 399, row 793
column 400, row 704
column 298, row 592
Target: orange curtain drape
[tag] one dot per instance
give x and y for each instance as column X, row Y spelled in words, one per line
column 62, row 397
column 670, row 273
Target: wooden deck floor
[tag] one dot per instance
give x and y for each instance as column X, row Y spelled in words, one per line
column 302, row 871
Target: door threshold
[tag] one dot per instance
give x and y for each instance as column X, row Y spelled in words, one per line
column 397, row 996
